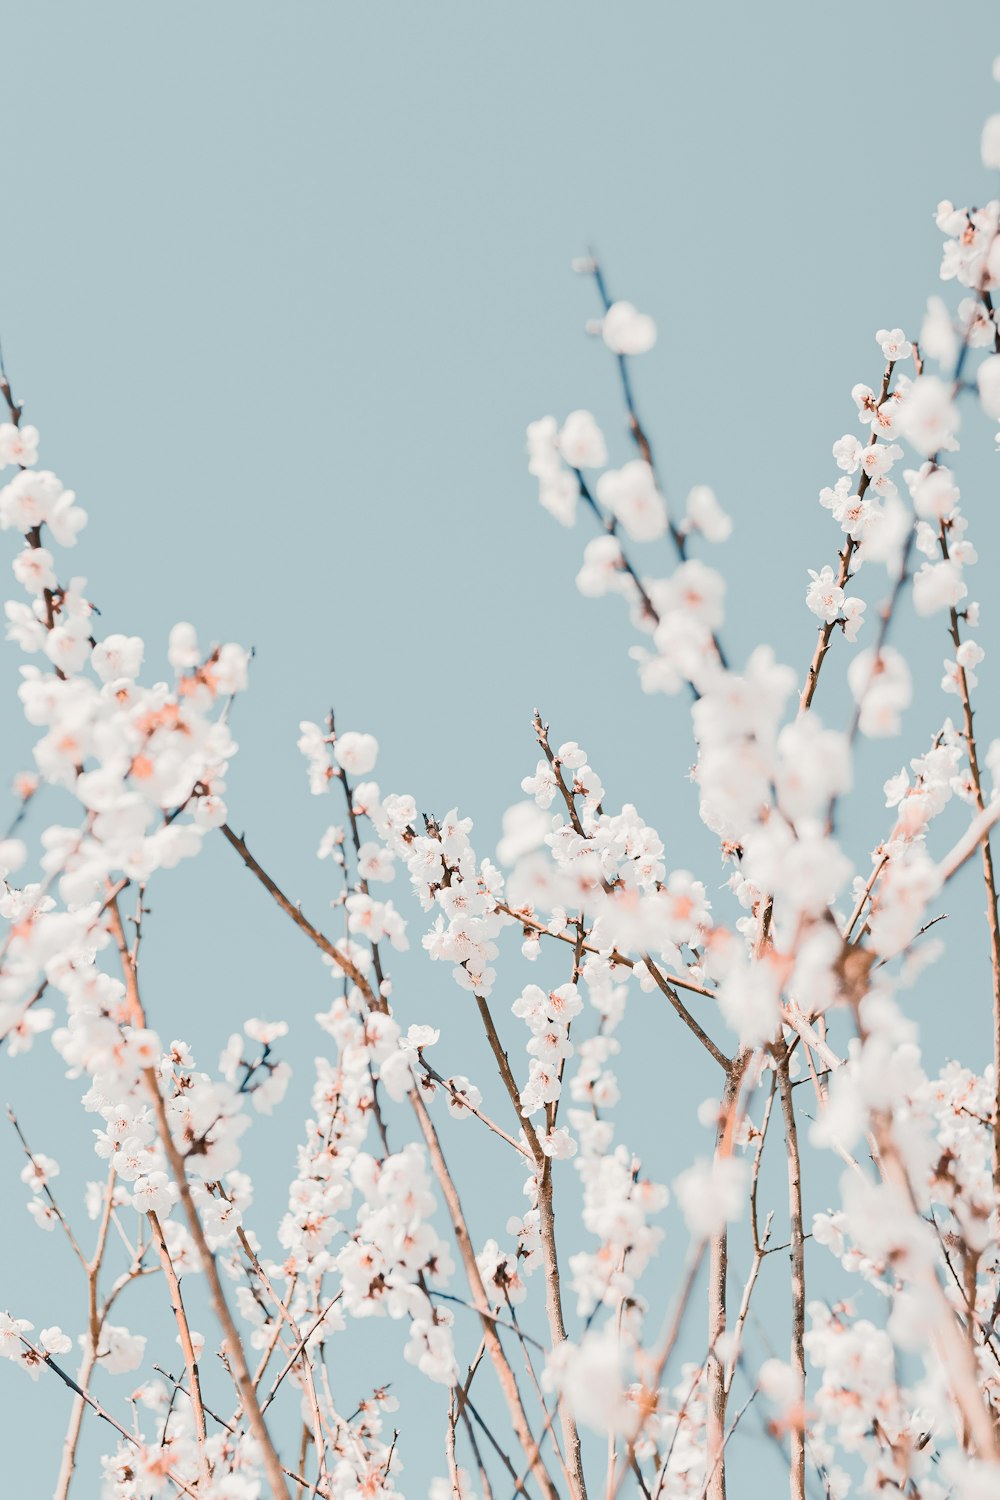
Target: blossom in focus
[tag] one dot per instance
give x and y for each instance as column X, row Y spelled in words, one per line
column 894, row 344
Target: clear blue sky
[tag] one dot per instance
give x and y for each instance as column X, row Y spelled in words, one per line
column 282, row 286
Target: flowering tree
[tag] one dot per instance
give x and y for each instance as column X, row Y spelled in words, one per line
column 558, row 1363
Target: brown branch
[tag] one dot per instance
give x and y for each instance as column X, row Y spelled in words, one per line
column 571, row 1479
column 439, row 1166
column 354, row 974
column 760, row 1240
column 84, row 1395
column 298, row 1350
column 505, row 1374
column 692, row 1025
column 825, row 634
column 717, row 1278
column 524, row 917
column 67, row 1463
column 550, row 1256
column 557, row 1328
column 231, row 1337
column 461, row 1099
column 852, row 920
column 989, row 879
column 184, row 1338
column 542, row 736
column 95, row 1323
column 797, row 1476
column 178, row 1385
column 284, row 1315
column 649, row 1396
column 566, row 792
column 645, row 448
column 47, row 1191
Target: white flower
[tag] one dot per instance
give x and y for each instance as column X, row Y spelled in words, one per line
column 881, row 686
column 591, row 1378
column 854, row 617
column 54, row 1341
column 824, row 596
column 120, row 1351
column 43, row 1214
column 928, row 417
column 34, row 570
column 695, row 590
column 705, row 514
column 603, row 568
column 18, row 445
column 933, row 491
column 711, row 1193
column 969, row 655
column 559, row 494
column 559, row 1144
column 631, row 494
column 847, row 452
column 29, row 500
column 814, row 764
column 272, row 1089
column 988, row 380
column 356, row 752
column 938, row 339
column 463, row 1097
column 39, row 1171
column 66, row 519
column 153, row 1194
column 182, row 650
column 543, row 452
column 432, row 1350
column 67, row 646
column 117, row 656
column 524, row 828
column 748, row 999
column 938, row 586
column 581, row 442
column 626, row 331
column 444, row 1489
column 376, row 863
column 10, row 1335
column 313, row 744
column 989, row 144
column 894, row 344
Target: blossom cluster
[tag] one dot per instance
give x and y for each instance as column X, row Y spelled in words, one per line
column 791, row 977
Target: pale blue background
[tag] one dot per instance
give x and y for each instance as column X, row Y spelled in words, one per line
column 282, row 286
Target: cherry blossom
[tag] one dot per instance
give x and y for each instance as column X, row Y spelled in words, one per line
column 626, row 331
column 631, row 494
column 894, row 344
column 705, row 514
column 355, row 752
column 581, row 443
column 990, row 145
